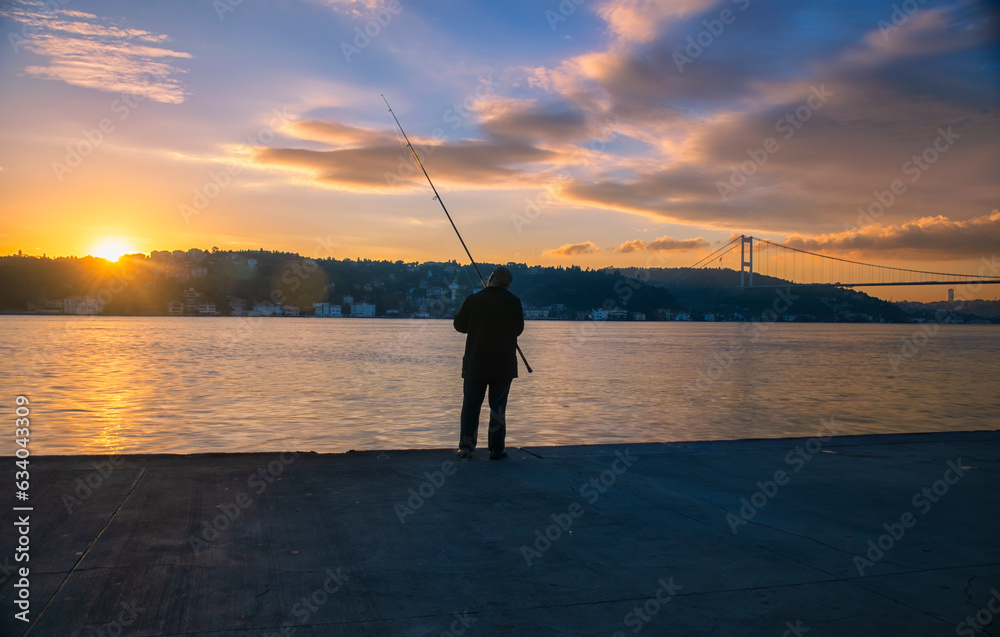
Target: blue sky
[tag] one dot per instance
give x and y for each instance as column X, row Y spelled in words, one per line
column 622, row 132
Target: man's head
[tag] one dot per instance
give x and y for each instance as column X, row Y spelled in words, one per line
column 501, row 277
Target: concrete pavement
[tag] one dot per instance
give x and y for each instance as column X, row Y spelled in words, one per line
column 855, row 535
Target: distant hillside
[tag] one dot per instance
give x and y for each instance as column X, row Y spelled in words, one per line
column 717, row 291
column 954, row 311
column 267, row 283
column 270, row 283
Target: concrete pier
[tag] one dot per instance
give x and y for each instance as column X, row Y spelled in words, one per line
column 855, row 535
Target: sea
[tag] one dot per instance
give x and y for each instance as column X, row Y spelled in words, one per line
column 114, row 385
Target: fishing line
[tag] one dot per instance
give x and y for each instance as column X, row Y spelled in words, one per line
column 437, row 197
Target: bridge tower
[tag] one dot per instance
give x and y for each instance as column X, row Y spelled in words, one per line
column 745, row 264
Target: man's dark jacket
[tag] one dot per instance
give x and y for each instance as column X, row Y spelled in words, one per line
column 493, row 319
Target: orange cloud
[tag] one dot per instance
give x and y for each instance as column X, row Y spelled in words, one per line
column 929, row 237
column 571, row 249
column 636, row 245
column 640, row 20
column 372, row 161
column 337, row 134
column 663, row 244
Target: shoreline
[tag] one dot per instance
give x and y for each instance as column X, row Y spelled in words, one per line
column 912, row 321
column 585, row 449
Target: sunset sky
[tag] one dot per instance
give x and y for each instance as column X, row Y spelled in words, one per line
column 588, row 132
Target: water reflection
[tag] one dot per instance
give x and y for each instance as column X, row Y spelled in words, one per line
column 181, row 385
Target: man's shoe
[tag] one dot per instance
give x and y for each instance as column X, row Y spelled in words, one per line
column 498, row 455
column 463, row 453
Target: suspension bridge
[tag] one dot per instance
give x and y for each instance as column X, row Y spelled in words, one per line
column 779, row 265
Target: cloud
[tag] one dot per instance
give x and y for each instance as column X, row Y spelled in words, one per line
column 928, row 238
column 636, row 245
column 640, row 20
column 516, row 119
column 892, row 92
column 663, row 244
column 678, row 133
column 572, row 249
column 373, row 161
column 337, row 134
column 82, row 49
column 355, row 8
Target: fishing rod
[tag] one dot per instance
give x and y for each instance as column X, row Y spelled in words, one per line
column 455, row 228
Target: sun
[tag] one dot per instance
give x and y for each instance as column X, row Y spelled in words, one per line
column 111, row 249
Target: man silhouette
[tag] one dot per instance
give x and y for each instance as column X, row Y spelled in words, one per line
column 493, row 319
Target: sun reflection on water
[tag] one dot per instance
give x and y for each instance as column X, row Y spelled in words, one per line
column 187, row 385
column 111, row 415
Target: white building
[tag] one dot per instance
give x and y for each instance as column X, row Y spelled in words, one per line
column 83, row 305
column 191, row 301
column 327, row 310
column 363, row 310
column 266, row 309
